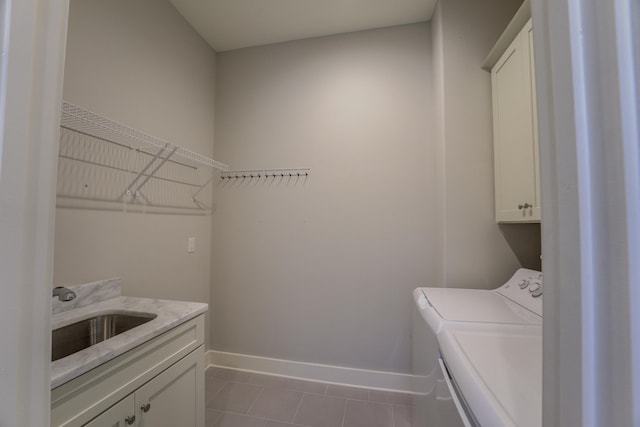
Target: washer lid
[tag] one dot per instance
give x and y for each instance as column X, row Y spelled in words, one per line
column 498, row 373
column 473, row 305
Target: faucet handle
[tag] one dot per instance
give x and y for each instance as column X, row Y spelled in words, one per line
column 63, row 293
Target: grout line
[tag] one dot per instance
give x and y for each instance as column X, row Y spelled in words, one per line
column 326, row 389
column 298, row 408
column 344, row 412
column 393, row 416
column 250, row 371
column 208, row 399
column 219, row 420
column 296, row 411
column 357, row 399
column 324, row 393
column 255, row 400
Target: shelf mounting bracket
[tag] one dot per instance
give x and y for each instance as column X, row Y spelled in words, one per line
column 153, row 172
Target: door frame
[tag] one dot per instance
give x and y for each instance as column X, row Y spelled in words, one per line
column 591, row 330
column 587, row 63
column 33, row 41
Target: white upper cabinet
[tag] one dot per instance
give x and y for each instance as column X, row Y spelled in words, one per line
column 517, row 181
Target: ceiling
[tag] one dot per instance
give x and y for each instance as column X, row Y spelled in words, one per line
column 234, row 24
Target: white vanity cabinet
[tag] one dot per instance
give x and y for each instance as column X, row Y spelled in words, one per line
column 169, row 400
column 157, row 384
column 119, row 415
column 517, row 180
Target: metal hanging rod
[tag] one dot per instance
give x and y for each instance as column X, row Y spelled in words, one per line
column 266, row 173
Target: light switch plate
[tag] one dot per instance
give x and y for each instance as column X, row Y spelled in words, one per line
column 191, row 244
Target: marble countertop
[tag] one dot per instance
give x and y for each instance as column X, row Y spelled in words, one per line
column 104, row 297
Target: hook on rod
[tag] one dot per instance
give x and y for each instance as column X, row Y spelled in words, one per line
column 267, row 173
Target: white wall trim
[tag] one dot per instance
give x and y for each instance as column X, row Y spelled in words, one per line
column 388, row 381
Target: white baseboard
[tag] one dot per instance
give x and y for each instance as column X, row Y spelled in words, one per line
column 381, row 380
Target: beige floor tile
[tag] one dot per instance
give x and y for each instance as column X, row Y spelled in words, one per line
column 237, row 420
column 391, row 397
column 368, row 414
column 320, row 411
column 306, row 386
column 348, row 392
column 211, row 417
column 268, row 380
column 212, row 386
column 235, row 397
column 276, row 404
column 228, row 374
column 402, row 416
column 281, row 424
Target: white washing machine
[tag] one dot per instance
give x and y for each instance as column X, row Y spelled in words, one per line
column 440, row 400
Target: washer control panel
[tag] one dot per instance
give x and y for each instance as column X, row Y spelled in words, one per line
column 525, row 288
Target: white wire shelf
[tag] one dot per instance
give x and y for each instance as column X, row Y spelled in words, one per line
column 89, row 123
column 104, row 161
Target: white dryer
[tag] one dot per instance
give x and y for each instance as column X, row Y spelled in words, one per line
column 496, row 372
column 517, row 305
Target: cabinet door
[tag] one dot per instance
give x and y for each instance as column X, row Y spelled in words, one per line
column 175, row 397
column 515, row 144
column 119, row 415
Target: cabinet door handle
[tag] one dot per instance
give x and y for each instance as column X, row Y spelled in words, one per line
column 145, row 408
column 130, row 419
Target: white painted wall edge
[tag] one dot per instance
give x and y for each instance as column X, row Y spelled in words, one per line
column 352, row 377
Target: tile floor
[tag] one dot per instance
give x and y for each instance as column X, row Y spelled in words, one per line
column 242, row 399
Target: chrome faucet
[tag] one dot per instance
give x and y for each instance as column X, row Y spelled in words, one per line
column 64, row 294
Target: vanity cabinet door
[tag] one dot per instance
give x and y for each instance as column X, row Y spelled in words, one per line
column 175, row 397
column 119, row 415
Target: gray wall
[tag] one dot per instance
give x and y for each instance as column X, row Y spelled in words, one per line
column 140, row 63
column 321, row 269
column 394, row 123
column 396, row 126
column 477, row 252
